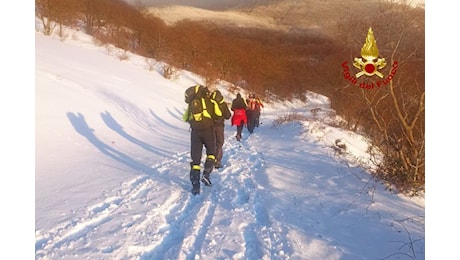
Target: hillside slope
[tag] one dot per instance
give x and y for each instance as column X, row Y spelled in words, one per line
column 112, row 173
column 285, row 15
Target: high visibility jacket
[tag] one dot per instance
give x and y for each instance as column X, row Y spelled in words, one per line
column 210, row 113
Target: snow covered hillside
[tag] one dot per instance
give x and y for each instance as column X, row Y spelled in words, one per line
column 112, row 173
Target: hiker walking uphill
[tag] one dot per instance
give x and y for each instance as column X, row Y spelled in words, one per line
column 256, row 105
column 219, row 126
column 201, row 113
column 253, row 112
column 239, row 117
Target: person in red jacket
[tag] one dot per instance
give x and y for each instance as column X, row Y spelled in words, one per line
column 239, row 118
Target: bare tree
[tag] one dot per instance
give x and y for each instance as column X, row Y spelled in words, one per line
column 397, row 107
column 93, row 14
column 46, row 11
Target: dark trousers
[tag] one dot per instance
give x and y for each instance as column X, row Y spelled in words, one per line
column 239, row 128
column 257, row 118
column 251, row 114
column 200, row 138
column 219, row 131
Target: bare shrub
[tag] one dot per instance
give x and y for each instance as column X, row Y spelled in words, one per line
column 98, row 42
column 289, row 117
column 150, row 64
column 339, row 146
column 109, row 49
column 123, row 55
column 169, row 72
column 63, row 35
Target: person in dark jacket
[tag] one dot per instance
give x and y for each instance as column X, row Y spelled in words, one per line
column 254, row 107
column 202, row 134
column 239, row 117
column 219, row 126
column 251, row 113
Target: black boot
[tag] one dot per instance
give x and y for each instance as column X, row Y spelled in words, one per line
column 195, row 179
column 208, row 167
column 205, row 180
column 209, row 164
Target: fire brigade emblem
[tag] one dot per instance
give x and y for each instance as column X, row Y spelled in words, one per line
column 369, row 63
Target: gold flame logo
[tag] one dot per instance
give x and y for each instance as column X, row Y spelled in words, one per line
column 369, row 63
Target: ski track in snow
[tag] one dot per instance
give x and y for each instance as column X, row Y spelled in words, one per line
column 202, row 223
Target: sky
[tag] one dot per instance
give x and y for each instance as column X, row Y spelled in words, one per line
column 112, row 166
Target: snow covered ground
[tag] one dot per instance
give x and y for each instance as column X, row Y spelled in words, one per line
column 112, row 166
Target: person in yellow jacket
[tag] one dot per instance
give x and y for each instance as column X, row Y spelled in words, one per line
column 219, row 126
column 201, row 114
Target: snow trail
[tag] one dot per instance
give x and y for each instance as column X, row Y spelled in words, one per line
column 151, row 226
